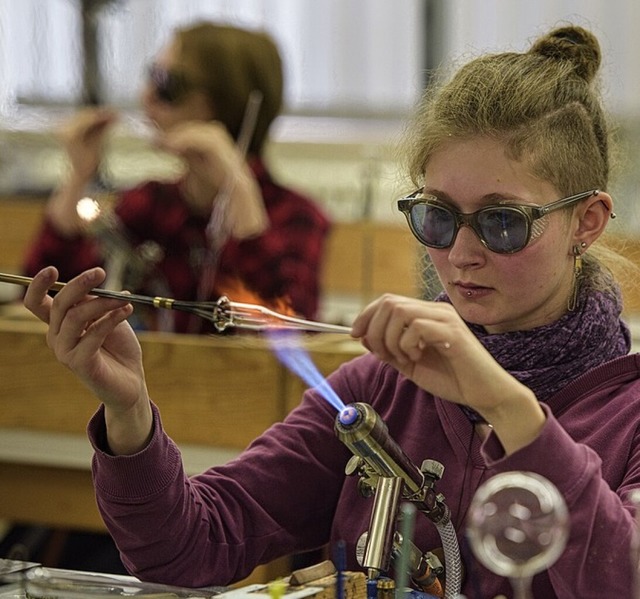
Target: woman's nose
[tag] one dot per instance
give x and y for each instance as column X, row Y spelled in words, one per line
column 467, row 249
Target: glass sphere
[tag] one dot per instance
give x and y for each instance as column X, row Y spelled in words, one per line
column 518, row 524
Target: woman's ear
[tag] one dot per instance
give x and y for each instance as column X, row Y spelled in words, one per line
column 593, row 215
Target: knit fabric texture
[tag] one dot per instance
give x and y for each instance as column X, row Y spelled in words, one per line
column 549, row 357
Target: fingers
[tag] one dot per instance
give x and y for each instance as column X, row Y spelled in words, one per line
column 36, row 299
column 87, row 124
column 74, row 292
column 197, row 133
column 399, row 329
column 99, row 125
column 213, row 164
column 88, row 325
column 425, row 333
column 83, row 138
column 74, row 308
column 75, row 316
column 204, row 145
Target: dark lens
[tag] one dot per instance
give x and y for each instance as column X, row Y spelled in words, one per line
column 169, row 87
column 504, row 229
column 435, row 225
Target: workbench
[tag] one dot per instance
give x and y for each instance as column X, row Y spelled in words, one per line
column 215, row 394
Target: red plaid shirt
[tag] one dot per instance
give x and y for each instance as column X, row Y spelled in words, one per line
column 283, row 263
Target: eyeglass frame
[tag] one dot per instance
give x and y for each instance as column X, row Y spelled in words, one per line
column 530, row 212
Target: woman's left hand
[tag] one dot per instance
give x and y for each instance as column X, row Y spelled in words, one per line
column 215, row 167
column 430, row 344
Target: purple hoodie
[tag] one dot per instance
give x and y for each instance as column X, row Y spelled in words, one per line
column 288, row 492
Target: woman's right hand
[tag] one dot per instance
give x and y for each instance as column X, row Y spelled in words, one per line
column 91, row 337
column 83, row 138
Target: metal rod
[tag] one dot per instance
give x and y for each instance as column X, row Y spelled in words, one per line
column 218, row 230
column 407, row 524
column 223, row 313
column 260, row 317
column 57, row 286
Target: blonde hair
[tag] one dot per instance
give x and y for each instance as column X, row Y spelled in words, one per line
column 543, row 104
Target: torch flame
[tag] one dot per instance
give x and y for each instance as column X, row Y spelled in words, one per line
column 237, row 291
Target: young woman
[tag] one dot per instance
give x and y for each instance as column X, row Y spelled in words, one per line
column 211, row 88
column 522, row 364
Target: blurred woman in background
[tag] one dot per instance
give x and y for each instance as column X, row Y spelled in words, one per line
column 225, row 227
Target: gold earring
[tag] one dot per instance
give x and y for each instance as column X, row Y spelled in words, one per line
column 577, row 272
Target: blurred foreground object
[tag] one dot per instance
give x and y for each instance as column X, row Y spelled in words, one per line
column 518, row 526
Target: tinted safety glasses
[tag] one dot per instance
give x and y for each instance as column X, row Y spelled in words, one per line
column 502, row 228
column 170, row 86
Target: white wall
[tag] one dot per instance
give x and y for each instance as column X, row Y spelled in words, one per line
column 476, row 26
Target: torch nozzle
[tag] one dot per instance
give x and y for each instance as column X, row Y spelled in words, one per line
column 362, row 430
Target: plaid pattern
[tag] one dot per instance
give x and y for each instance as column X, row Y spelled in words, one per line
column 283, row 263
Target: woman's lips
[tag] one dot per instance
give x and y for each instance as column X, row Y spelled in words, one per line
column 471, row 291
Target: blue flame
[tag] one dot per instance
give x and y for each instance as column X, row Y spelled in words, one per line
column 287, row 346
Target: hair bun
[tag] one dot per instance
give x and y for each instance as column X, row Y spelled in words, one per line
column 574, row 44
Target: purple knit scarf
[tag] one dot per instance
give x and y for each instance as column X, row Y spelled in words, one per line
column 549, row 357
